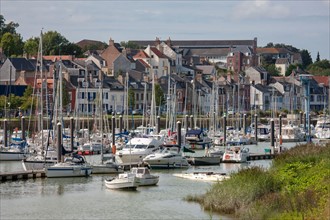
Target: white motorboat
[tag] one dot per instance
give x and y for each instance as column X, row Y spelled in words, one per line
column 169, row 156
column 73, row 167
column 292, row 133
column 138, row 148
column 204, row 176
column 236, row 154
column 145, row 178
column 124, row 181
column 107, row 165
column 322, row 128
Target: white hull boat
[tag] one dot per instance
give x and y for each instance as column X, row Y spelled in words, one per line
column 124, row 181
column 236, row 155
column 75, row 167
column 138, row 148
column 145, row 178
column 11, row 156
column 168, row 157
column 68, row 170
column 108, row 165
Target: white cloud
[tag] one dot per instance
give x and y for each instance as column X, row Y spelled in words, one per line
column 259, row 9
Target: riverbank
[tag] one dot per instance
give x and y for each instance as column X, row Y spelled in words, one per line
column 296, row 186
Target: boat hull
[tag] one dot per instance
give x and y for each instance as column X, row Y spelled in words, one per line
column 122, row 183
column 11, row 156
column 68, row 171
column 148, row 181
column 167, row 164
column 105, row 169
column 36, row 165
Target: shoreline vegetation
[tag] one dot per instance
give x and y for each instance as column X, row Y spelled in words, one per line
column 296, row 186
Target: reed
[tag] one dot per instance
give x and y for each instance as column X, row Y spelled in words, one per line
column 295, row 187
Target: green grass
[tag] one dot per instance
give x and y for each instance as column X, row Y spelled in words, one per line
column 295, row 187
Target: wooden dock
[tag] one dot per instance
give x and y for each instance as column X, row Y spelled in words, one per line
column 261, row 156
column 22, row 175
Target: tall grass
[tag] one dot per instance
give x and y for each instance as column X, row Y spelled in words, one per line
column 295, row 187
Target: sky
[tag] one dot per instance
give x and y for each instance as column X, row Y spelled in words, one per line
column 303, row 24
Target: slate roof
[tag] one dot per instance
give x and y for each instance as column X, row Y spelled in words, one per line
column 22, row 64
column 207, row 52
column 198, row 43
column 242, row 49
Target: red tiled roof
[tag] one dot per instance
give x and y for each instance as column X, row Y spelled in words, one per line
column 141, row 55
column 158, row 53
column 322, row 79
column 144, row 63
column 57, row 57
column 267, row 50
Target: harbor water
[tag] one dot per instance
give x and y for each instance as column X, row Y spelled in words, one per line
column 88, row 198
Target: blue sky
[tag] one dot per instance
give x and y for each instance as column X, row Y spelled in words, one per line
column 303, row 24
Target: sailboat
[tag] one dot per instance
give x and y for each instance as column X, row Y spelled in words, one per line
column 44, row 155
column 75, row 165
column 107, row 164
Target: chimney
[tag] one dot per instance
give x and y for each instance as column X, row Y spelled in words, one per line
column 111, row 42
column 157, row 41
column 169, row 42
column 120, row 78
column 228, row 77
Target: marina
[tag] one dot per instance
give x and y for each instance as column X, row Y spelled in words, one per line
column 35, row 197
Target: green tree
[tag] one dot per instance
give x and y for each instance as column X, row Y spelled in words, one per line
column 272, row 70
column 306, row 58
column 31, row 46
column 7, row 28
column 28, row 99
column 129, row 44
column 72, row 49
column 317, row 57
column 320, row 68
column 65, row 96
column 54, row 43
column 12, row 44
column 159, row 95
column 131, row 98
column 292, row 67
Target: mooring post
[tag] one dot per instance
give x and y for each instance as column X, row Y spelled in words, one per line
column 224, row 130
column 186, row 123
column 179, row 133
column 120, row 123
column 113, row 125
column 256, row 127
column 272, row 135
column 192, row 122
column 244, row 124
column 59, row 143
column 5, row 130
column 71, row 133
column 23, row 128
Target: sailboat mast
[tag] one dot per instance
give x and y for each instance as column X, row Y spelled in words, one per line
column 41, row 92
